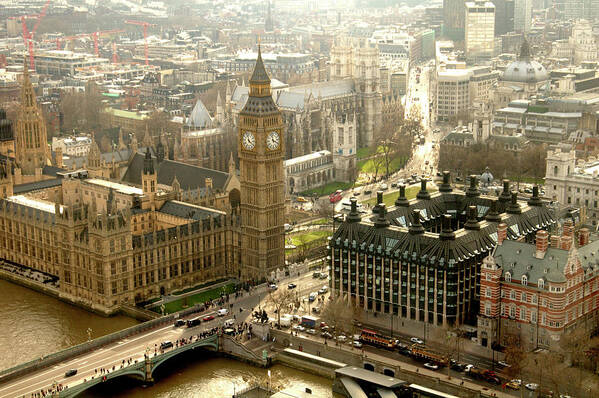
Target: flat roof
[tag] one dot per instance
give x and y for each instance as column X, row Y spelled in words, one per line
column 126, row 114
column 369, row 376
column 42, row 205
column 122, row 188
column 310, row 156
column 431, row 391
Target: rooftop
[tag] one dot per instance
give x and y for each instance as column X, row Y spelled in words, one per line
column 304, row 158
column 35, row 203
column 368, row 376
column 122, row 188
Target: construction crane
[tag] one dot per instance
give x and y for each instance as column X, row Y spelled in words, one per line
column 28, row 36
column 94, row 35
column 145, row 25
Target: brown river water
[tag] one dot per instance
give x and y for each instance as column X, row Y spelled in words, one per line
column 34, row 324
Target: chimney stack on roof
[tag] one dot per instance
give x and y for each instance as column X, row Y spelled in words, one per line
column 555, row 241
column 501, row 233
column 416, row 228
column 401, row 200
column 568, row 229
column 423, row 193
column 473, row 190
column 505, row 194
column 541, row 243
column 446, row 185
column 379, row 201
column 583, row 236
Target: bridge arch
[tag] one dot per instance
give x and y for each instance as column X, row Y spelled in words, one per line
column 369, row 366
column 389, row 372
column 134, row 370
column 211, row 342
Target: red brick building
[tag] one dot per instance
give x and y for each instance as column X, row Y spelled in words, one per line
column 541, row 290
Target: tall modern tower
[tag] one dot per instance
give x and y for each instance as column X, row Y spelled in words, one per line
column 261, row 149
column 480, row 30
column 522, row 15
column 453, row 19
column 31, row 146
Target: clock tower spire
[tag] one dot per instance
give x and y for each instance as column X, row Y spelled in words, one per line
column 261, row 150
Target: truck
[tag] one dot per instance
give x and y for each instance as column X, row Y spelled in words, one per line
column 421, row 353
column 310, row 321
column 484, row 374
column 285, row 321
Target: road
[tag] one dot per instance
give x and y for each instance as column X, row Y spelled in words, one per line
column 132, row 348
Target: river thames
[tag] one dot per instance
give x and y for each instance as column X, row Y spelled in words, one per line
column 34, row 324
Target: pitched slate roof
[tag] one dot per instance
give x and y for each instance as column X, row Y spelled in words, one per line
column 34, row 186
column 199, row 117
column 190, row 177
column 186, row 210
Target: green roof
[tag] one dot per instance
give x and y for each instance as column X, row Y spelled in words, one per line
column 126, row 114
column 111, row 95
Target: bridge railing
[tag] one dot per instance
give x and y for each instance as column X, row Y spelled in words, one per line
column 71, row 352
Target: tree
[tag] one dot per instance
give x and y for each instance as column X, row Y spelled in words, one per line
column 280, row 300
column 157, row 122
column 515, row 355
column 81, row 111
column 338, row 314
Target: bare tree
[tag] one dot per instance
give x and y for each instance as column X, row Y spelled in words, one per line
column 280, row 300
column 338, row 314
column 516, row 356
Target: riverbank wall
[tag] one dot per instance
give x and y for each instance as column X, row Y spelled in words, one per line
column 357, row 358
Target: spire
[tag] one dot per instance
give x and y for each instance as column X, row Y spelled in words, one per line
column 122, row 145
column 259, row 76
column 148, row 163
column 94, row 156
column 27, row 93
column 232, row 167
column 147, row 138
column 160, row 149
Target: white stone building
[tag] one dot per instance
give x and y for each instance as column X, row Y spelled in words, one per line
column 72, row 146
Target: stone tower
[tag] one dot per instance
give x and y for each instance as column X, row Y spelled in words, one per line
column 31, row 149
column 7, row 139
column 149, row 178
column 261, row 150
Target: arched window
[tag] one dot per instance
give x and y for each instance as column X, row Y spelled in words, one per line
column 555, row 170
column 508, row 277
column 541, row 283
column 524, row 280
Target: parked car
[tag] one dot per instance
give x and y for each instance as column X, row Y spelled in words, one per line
column 393, row 185
column 311, row 331
column 503, row 364
column 299, row 328
column 341, row 338
column 70, row 372
column 514, row 384
column 291, row 286
column 383, row 187
column 301, row 199
column 455, row 365
column 323, row 290
column 367, row 191
column 531, row 386
column 208, row 318
column 416, row 340
column 431, row 366
column 357, row 344
column 273, row 286
column 316, row 310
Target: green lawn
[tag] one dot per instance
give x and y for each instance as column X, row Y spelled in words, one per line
column 389, row 198
column 321, row 221
column 307, row 237
column 189, row 289
column 528, row 180
column 364, row 152
column 198, row 298
column 367, row 166
column 327, row 189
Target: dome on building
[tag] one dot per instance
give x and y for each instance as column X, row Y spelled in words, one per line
column 486, row 178
column 525, row 70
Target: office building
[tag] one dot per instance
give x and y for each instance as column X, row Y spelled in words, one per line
column 479, row 30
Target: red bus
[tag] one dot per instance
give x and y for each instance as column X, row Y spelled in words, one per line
column 336, row 196
column 376, row 339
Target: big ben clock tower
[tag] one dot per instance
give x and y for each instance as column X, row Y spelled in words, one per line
column 261, row 149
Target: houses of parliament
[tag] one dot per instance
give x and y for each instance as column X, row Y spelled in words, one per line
column 116, row 241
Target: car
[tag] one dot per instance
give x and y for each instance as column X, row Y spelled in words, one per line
column 166, row 344
column 455, row 365
column 323, row 290
column 311, row 331
column 416, row 340
column 503, row 364
column 208, row 318
column 273, row 286
column 316, row 310
column 326, row 335
column 531, row 386
column 222, row 312
column 70, row 372
column 291, row 286
column 367, row 191
column 299, row 328
column 324, row 275
column 301, row 199
column 383, row 187
column 393, row 185
column 468, row 367
column 341, row 338
column 514, row 384
column 357, row 344
column 431, row 366
column 179, row 322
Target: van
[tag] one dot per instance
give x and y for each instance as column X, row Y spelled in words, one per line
column 312, row 296
column 222, row 312
column 179, row 322
column 229, row 322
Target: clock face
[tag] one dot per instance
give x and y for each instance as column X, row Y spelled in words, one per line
column 248, row 140
column 273, row 141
